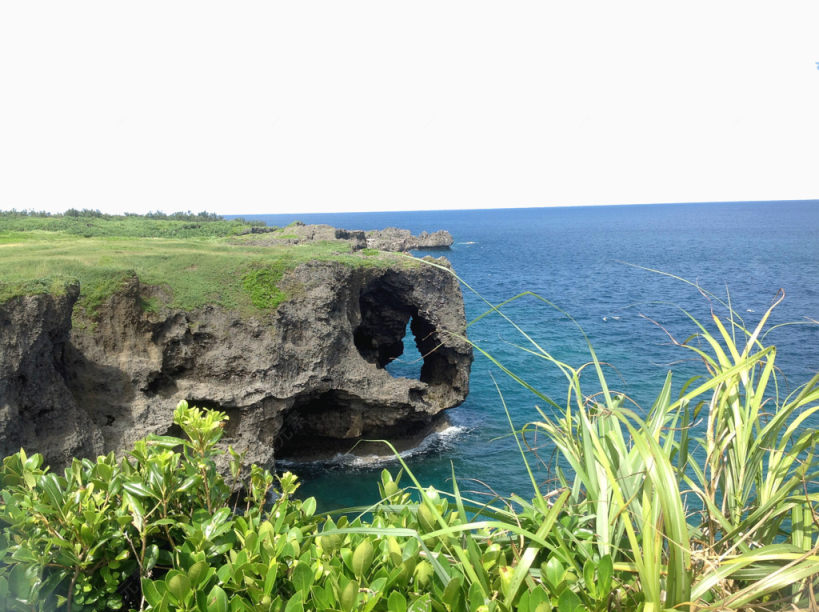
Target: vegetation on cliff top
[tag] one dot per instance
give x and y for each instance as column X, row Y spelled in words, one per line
column 91, row 223
column 648, row 514
column 193, row 261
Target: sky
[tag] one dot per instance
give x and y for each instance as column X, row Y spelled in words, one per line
column 283, row 107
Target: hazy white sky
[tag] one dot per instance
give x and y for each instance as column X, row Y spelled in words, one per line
column 265, row 107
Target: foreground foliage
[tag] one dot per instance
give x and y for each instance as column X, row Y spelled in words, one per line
column 650, row 516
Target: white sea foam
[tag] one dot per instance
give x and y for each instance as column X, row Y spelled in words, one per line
column 434, row 442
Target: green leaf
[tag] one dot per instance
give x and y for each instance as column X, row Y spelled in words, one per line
column 104, row 471
column 302, row 578
column 270, row 578
column 554, row 572
column 217, row 600
column 224, row 573
column 197, row 572
column 605, row 570
column 476, row 597
column 308, row 506
column 568, row 601
column 188, row 483
column 349, row 596
column 151, row 557
column 151, row 593
column 397, row 602
column 452, row 593
column 323, row 598
column 21, row 580
column 179, row 585
column 362, row 558
column 524, row 603
column 296, row 604
column 539, row 600
column 588, row 577
column 137, row 488
column 238, row 604
column 422, row 604
column 165, row 441
column 52, row 489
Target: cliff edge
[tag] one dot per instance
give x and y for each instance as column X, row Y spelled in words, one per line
column 389, row 239
column 309, row 372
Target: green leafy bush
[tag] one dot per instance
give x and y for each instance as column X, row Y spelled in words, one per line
column 161, row 530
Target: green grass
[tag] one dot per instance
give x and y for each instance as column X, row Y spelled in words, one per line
column 194, row 271
column 122, row 226
column 262, row 285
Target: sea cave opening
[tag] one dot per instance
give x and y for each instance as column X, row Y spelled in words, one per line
column 392, row 326
column 321, row 425
column 409, row 362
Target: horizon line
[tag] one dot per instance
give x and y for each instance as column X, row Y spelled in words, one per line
column 536, row 206
column 415, row 210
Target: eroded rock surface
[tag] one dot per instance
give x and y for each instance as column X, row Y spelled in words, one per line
column 395, row 239
column 37, row 410
column 312, row 370
column 389, row 239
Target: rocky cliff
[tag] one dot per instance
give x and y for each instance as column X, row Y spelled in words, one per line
column 395, row 239
column 308, row 373
column 389, row 239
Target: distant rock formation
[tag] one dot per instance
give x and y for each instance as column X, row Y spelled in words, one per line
column 395, row 239
column 311, row 371
column 389, row 239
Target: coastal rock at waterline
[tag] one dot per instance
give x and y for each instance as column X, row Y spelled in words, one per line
column 395, row 239
column 312, row 370
column 389, row 239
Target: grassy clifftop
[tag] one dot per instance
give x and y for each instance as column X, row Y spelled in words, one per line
column 196, row 261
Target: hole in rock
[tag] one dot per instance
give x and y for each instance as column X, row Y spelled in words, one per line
column 176, row 431
column 391, row 327
column 408, row 363
column 437, row 368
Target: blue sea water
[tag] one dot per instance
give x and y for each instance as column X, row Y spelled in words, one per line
column 583, row 260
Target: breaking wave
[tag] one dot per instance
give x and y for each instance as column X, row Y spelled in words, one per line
column 435, row 442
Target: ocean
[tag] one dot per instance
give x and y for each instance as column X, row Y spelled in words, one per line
column 589, row 262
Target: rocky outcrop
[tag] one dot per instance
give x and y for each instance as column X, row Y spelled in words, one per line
column 395, row 239
column 312, row 371
column 37, row 410
column 389, row 239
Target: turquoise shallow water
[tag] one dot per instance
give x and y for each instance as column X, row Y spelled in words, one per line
column 576, row 257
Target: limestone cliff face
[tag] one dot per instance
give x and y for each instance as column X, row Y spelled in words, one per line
column 311, row 371
column 37, row 410
column 395, row 239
